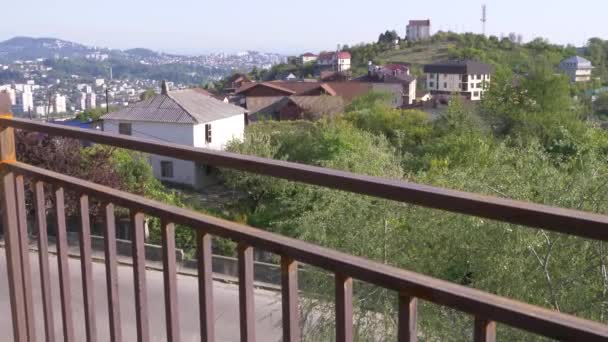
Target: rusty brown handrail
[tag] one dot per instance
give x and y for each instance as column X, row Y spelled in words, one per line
column 561, row 220
column 486, row 308
column 481, row 304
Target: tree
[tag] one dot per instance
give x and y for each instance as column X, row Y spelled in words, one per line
column 538, row 106
column 389, row 37
column 94, row 114
column 601, row 103
column 147, row 94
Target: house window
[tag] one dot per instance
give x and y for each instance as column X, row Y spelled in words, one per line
column 166, row 169
column 431, row 84
column 124, row 128
column 208, row 133
column 445, row 85
column 475, row 94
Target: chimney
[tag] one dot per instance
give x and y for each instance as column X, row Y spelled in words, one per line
column 164, row 88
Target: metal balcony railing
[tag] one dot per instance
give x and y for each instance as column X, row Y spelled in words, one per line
column 485, row 307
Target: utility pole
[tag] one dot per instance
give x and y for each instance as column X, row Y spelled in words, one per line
column 484, row 19
column 107, row 99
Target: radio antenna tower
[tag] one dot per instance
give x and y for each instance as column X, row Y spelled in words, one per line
column 484, row 19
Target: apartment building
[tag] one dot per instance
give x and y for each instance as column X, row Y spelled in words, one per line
column 469, row 79
column 577, row 68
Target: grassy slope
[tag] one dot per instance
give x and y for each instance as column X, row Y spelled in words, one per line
column 418, row 55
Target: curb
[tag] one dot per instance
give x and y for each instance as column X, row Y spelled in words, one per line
column 216, row 277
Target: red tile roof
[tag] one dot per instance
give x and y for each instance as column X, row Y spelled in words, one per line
column 347, row 90
column 309, row 54
column 344, row 55
column 397, row 67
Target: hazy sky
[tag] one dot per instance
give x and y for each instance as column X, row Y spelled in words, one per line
column 194, row 26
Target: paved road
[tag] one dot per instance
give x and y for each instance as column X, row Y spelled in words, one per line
column 267, row 305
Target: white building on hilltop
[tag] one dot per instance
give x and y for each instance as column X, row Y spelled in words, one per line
column 418, row 30
column 577, row 68
column 185, row 117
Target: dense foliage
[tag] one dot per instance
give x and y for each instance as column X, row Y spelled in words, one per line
column 527, row 141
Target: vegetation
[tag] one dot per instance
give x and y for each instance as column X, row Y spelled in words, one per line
column 528, row 140
column 93, row 114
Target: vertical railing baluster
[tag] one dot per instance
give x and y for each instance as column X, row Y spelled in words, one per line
column 11, row 230
column 139, row 276
column 205, row 286
column 246, row 300
column 170, row 278
column 86, row 269
column 344, row 308
column 64, row 272
column 112, row 273
column 408, row 316
column 485, row 330
column 289, row 298
column 26, row 272
column 13, row 255
column 43, row 260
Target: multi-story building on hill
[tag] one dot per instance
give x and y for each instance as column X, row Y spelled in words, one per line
column 335, row 61
column 418, row 30
column 577, row 68
column 467, row 78
column 393, row 73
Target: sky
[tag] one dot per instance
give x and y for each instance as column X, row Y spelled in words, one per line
column 290, row 27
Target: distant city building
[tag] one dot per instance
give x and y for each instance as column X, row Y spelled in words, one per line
column 40, row 110
column 88, row 101
column 308, row 58
column 418, row 30
column 24, row 101
column 467, row 78
column 577, row 68
column 60, row 104
column 99, row 82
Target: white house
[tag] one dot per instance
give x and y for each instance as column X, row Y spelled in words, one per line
column 418, row 30
column 308, row 58
column 185, row 117
column 467, row 78
column 337, row 61
column 577, row 68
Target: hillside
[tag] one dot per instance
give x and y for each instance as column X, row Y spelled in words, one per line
column 418, row 55
column 31, row 48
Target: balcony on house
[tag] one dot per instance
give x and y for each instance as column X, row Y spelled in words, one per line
column 31, row 321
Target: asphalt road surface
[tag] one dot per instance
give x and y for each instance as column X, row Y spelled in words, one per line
column 267, row 305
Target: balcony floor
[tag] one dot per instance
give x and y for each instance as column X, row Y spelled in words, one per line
column 268, row 305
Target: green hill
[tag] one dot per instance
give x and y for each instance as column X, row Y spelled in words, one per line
column 418, row 55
